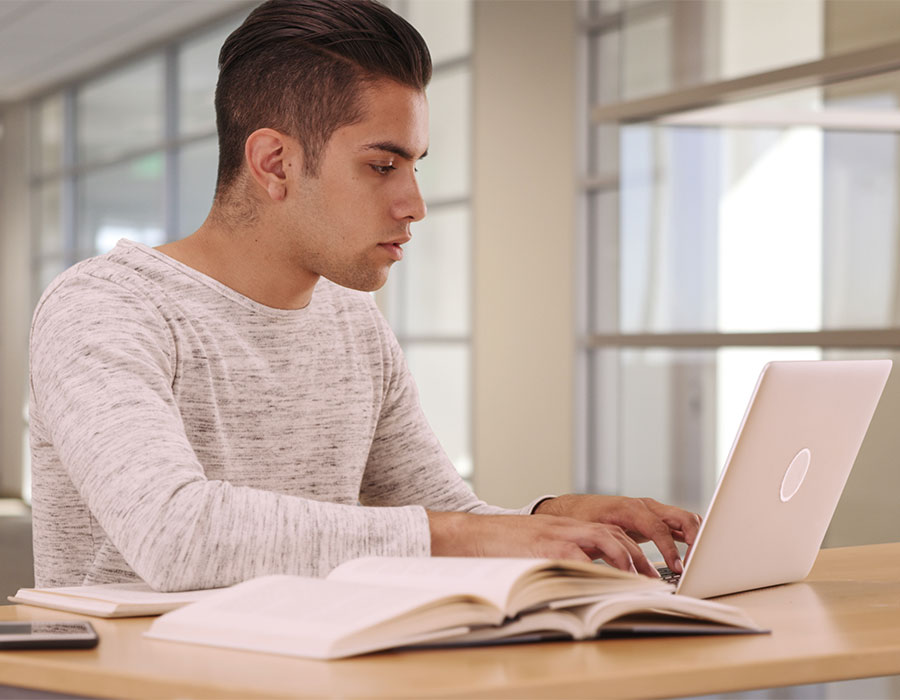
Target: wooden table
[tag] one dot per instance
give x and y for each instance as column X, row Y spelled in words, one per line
column 843, row 622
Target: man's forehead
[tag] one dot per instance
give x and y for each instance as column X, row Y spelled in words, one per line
column 394, row 119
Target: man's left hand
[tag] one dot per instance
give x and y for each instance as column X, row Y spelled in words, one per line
column 642, row 519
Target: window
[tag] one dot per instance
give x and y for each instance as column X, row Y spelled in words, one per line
column 428, row 297
column 129, row 154
column 739, row 205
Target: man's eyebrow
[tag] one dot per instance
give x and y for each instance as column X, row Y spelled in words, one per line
column 392, row 147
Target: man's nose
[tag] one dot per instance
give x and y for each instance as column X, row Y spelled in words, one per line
column 411, row 205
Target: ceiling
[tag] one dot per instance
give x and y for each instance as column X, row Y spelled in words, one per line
column 45, row 42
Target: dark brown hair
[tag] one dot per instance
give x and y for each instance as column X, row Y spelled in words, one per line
column 299, row 66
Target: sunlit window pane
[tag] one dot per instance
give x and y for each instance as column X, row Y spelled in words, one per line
column 50, row 231
column 49, row 141
column 429, row 290
column 752, row 37
column 442, row 375
column 444, row 174
column 646, row 52
column 122, row 111
column 675, row 414
column 123, row 201
column 197, row 181
column 197, row 74
column 47, row 270
column 772, row 215
column 668, row 218
column 445, row 25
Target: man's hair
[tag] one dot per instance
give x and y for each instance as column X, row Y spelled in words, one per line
column 300, row 67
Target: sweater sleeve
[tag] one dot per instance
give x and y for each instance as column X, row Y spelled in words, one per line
column 103, row 364
column 407, row 463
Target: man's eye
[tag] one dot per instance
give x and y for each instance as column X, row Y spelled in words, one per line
column 383, row 169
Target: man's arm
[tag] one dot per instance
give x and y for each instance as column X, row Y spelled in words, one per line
column 571, row 527
column 408, row 465
column 641, row 519
column 103, row 366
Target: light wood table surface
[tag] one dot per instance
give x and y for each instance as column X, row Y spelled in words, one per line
column 843, row 622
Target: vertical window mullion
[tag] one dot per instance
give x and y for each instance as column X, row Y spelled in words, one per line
column 171, row 129
column 68, row 180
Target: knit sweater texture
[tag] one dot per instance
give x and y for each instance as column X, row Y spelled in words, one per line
column 188, row 436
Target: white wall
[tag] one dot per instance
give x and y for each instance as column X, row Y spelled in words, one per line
column 524, row 185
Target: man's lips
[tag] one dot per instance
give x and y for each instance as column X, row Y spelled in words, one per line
column 393, row 248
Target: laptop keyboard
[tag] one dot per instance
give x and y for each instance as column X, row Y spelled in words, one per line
column 668, row 575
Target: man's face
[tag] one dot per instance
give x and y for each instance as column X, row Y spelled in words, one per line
column 347, row 224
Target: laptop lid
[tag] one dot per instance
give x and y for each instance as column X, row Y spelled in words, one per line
column 784, row 475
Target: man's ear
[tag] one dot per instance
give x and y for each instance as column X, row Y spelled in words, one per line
column 266, row 152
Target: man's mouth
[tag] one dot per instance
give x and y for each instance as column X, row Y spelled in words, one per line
column 394, row 249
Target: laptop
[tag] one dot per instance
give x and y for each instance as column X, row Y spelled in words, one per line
column 784, row 475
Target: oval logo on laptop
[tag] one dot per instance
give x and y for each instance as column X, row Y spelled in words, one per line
column 795, row 475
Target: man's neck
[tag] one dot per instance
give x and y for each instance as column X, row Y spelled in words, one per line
column 245, row 261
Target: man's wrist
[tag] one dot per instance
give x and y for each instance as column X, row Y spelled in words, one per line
column 447, row 533
column 544, row 502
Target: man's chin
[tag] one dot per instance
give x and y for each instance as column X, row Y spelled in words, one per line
column 360, row 283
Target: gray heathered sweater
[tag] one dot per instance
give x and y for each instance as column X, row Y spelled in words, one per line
column 191, row 437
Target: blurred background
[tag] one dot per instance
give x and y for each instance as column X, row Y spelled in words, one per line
column 633, row 205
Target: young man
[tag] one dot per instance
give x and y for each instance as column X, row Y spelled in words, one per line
column 232, row 404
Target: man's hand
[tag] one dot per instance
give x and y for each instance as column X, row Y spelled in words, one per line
column 642, row 519
column 545, row 536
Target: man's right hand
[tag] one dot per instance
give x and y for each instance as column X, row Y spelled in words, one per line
column 541, row 536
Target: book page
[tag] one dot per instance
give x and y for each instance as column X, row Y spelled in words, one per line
column 491, row 578
column 512, row 584
column 537, row 626
column 596, row 615
column 316, row 618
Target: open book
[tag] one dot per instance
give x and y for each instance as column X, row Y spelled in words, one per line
column 378, row 603
column 108, row 599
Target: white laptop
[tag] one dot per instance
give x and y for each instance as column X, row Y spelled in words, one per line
column 784, row 475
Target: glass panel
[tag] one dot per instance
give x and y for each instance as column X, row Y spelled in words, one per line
column 668, row 229
column 441, row 372
column 785, row 217
column 50, row 124
column 752, row 37
column 197, row 183
column 122, row 111
column 666, row 46
column 667, row 425
column 122, row 201
column 646, row 52
column 677, row 414
column 603, row 7
column 197, row 75
column 867, row 511
column 47, row 270
column 50, row 236
column 446, row 26
column 445, row 173
column 860, row 23
column 860, row 230
column 436, row 275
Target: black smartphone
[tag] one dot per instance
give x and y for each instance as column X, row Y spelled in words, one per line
column 47, row 635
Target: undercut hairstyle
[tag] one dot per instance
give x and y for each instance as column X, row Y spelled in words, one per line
column 301, row 66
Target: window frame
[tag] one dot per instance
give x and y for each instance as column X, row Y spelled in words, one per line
column 597, row 467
